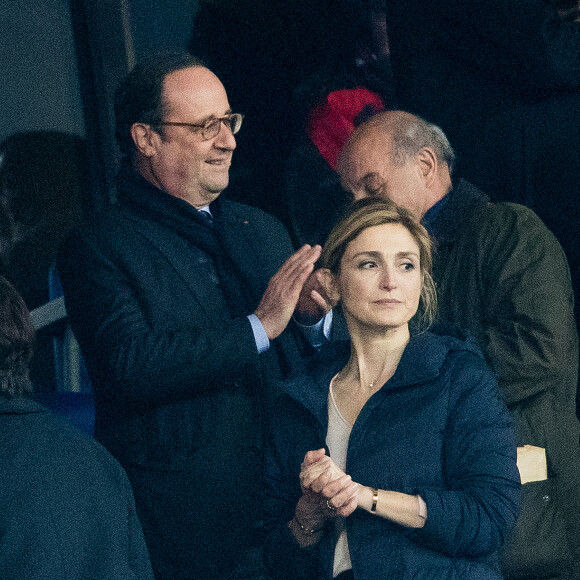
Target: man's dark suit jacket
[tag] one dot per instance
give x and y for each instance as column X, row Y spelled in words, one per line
column 179, row 385
column 66, row 506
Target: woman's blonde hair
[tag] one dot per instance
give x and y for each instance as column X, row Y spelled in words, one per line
column 370, row 212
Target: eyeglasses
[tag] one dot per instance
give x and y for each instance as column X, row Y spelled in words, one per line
column 211, row 127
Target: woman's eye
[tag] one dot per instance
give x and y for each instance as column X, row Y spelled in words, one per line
column 408, row 266
column 367, row 264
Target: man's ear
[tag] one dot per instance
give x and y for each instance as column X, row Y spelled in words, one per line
column 427, row 163
column 145, row 138
column 328, row 282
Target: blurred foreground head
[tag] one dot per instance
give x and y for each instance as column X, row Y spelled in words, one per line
column 16, row 342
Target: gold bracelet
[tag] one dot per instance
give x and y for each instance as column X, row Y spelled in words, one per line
column 305, row 529
column 375, row 499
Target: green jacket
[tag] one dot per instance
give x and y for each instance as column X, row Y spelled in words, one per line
column 502, row 275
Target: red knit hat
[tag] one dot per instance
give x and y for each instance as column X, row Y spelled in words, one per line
column 331, row 122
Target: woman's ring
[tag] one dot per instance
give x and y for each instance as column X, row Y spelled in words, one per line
column 330, row 506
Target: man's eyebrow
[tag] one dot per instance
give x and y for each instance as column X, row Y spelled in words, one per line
column 212, row 117
column 368, row 176
column 372, row 183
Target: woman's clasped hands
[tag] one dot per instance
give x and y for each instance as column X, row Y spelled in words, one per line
column 327, row 492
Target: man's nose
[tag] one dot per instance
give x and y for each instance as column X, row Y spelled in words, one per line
column 225, row 138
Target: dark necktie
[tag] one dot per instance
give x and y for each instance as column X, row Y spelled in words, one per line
column 206, row 217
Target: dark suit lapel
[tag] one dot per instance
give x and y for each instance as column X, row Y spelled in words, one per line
column 238, row 236
column 177, row 252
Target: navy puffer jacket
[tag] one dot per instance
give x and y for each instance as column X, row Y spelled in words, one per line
column 437, row 428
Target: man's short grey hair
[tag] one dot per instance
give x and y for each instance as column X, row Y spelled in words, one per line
column 412, row 134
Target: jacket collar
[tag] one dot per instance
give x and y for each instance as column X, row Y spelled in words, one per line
column 444, row 221
column 421, row 362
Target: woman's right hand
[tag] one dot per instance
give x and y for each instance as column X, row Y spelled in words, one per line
column 337, row 498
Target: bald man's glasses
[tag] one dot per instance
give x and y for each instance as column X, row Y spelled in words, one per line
column 211, row 127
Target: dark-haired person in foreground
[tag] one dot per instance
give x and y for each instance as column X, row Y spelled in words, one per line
column 180, row 300
column 66, row 506
column 394, row 456
column 502, row 276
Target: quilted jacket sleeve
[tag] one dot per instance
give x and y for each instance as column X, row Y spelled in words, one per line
column 478, row 506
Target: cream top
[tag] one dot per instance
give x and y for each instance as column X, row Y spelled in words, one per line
column 337, row 438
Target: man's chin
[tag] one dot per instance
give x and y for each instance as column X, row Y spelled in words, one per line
column 216, row 187
column 201, row 198
column 212, row 193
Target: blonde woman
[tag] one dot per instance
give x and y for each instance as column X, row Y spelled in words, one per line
column 394, row 456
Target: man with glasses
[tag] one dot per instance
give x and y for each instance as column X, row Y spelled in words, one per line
column 180, row 300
